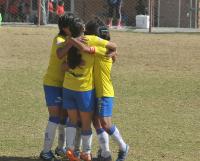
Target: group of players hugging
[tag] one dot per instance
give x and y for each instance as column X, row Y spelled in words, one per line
column 79, row 92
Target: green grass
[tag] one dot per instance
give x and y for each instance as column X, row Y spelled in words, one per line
column 157, row 87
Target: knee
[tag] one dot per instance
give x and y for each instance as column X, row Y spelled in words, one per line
column 96, row 122
column 106, row 126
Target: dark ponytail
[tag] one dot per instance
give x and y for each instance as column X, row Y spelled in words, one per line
column 74, row 57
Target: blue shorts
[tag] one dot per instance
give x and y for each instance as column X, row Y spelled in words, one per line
column 105, row 106
column 82, row 101
column 53, row 96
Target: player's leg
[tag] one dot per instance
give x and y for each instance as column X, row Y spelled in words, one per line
column 61, row 149
column 105, row 106
column 86, row 135
column 86, row 107
column 73, row 117
column 103, row 139
column 53, row 97
column 110, row 15
column 78, row 140
column 118, row 14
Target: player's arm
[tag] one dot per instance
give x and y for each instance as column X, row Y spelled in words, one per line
column 64, row 66
column 111, row 46
column 102, row 43
column 81, row 46
column 104, row 50
column 62, row 51
column 112, row 54
column 89, row 49
column 96, row 50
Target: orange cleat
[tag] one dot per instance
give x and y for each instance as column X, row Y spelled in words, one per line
column 86, row 157
column 70, row 155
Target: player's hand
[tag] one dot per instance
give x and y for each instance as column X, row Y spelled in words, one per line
column 113, row 55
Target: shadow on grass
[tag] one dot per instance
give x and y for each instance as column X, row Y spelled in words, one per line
column 10, row 158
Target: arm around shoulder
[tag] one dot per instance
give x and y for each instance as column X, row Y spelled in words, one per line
column 112, row 46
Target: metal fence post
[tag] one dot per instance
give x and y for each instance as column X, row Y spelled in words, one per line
column 179, row 14
column 158, row 18
column 39, row 12
column 196, row 13
column 150, row 16
column 190, row 12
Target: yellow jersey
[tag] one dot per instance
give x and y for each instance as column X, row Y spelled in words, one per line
column 81, row 78
column 54, row 75
column 102, row 76
column 102, row 69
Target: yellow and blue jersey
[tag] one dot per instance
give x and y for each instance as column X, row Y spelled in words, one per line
column 102, row 69
column 54, row 75
column 102, row 76
column 81, row 78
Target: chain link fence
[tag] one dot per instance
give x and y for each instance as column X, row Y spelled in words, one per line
column 175, row 13
column 156, row 13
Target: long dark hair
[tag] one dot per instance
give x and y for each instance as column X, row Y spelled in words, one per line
column 74, row 57
column 63, row 22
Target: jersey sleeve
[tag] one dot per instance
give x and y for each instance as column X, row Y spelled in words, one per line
column 59, row 40
column 100, row 51
column 96, row 41
column 100, row 42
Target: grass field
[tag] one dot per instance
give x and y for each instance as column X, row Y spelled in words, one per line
column 157, row 86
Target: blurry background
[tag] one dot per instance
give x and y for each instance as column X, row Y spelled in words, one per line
column 163, row 13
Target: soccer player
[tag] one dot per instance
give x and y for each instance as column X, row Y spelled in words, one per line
column 53, row 81
column 105, row 94
column 78, row 98
column 78, row 93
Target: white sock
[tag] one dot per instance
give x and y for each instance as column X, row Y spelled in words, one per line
column 87, row 141
column 70, row 137
column 103, row 139
column 61, row 136
column 78, row 140
column 118, row 138
column 49, row 136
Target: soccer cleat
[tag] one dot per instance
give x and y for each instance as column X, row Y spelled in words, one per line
column 77, row 153
column 100, row 158
column 71, row 155
column 48, row 156
column 86, row 157
column 122, row 154
column 60, row 152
